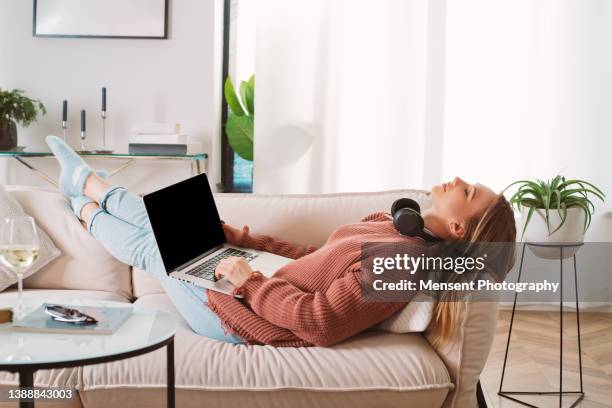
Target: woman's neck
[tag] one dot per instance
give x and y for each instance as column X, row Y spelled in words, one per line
column 435, row 225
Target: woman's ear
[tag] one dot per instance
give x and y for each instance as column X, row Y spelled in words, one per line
column 456, row 230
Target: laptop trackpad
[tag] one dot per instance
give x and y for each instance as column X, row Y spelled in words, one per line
column 268, row 264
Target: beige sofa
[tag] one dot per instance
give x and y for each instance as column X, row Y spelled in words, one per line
column 373, row 369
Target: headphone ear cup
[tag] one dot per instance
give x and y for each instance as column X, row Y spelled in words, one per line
column 408, row 222
column 405, row 203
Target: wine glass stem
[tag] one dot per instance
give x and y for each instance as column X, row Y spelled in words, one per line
column 19, row 293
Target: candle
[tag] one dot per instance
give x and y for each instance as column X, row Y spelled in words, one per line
column 65, row 111
column 104, row 99
column 82, row 121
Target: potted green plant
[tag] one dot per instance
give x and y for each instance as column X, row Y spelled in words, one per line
column 554, row 211
column 241, row 117
column 15, row 108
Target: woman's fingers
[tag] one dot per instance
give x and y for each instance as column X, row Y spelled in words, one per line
column 232, row 234
column 235, row 269
column 226, row 266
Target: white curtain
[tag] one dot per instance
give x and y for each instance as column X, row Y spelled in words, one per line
column 340, row 91
column 358, row 95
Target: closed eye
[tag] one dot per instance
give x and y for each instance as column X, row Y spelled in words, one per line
column 467, row 192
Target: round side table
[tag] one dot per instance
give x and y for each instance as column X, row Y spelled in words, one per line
column 146, row 330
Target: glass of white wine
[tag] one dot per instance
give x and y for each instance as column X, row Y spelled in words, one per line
column 19, row 249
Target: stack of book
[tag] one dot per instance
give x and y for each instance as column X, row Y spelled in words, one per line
column 164, row 139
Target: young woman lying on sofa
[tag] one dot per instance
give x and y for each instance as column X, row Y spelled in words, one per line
column 315, row 300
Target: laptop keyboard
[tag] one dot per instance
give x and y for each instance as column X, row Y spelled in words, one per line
column 206, row 270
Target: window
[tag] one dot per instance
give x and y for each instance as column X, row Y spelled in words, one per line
column 239, row 63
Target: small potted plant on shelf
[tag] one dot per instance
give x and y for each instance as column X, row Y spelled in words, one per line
column 553, row 212
column 15, row 108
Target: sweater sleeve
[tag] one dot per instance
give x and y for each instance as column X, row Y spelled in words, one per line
column 269, row 244
column 320, row 318
column 377, row 216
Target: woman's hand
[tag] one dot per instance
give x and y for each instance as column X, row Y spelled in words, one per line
column 233, row 235
column 235, row 269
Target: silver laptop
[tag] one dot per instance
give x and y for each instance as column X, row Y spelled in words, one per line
column 190, row 237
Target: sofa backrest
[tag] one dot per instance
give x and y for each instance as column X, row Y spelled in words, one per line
column 303, row 219
column 307, row 219
column 84, row 263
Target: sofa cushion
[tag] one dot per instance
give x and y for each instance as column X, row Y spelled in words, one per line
column 379, row 364
column 144, row 284
column 34, row 297
column 413, row 318
column 84, row 263
column 9, row 207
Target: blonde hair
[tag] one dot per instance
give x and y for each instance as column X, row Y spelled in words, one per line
column 496, row 224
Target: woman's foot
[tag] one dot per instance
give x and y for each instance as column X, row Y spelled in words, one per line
column 74, row 171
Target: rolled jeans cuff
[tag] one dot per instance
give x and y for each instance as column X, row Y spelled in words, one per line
column 93, row 217
column 107, row 194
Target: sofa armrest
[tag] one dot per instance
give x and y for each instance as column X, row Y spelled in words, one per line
column 466, row 354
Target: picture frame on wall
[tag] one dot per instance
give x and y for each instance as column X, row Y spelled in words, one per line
column 144, row 19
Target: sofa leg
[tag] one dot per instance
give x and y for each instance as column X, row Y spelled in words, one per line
column 482, row 403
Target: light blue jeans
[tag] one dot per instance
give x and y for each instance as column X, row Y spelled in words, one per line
column 122, row 227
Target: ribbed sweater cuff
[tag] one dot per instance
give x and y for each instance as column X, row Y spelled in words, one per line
column 248, row 289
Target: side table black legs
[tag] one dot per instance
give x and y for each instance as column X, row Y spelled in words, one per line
column 170, row 369
column 560, row 393
column 26, row 371
column 26, row 380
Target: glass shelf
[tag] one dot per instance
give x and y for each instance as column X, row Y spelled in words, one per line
column 198, row 162
column 33, row 153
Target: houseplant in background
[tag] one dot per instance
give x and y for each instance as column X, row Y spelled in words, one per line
column 554, row 211
column 15, row 108
column 241, row 117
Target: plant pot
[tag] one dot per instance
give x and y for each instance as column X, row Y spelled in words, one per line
column 8, row 137
column 537, row 232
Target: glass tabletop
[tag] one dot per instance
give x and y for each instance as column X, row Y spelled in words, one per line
column 144, row 328
column 26, row 152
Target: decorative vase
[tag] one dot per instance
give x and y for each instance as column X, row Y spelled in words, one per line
column 8, row 136
column 537, row 232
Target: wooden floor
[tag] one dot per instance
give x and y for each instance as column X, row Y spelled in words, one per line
column 533, row 360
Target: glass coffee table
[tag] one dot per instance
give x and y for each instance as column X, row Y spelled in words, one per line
column 146, row 330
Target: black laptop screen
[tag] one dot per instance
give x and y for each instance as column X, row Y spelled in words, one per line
column 185, row 220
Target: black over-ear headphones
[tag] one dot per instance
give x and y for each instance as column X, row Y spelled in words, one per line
column 407, row 220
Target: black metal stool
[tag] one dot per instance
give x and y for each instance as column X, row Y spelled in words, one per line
column 561, row 393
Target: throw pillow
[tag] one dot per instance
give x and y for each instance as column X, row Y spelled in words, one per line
column 413, row 318
column 9, row 207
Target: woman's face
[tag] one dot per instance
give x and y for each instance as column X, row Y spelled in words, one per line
column 457, row 202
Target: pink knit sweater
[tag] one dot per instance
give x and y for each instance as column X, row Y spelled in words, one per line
column 315, row 300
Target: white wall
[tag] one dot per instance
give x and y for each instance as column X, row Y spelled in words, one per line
column 172, row 80
column 364, row 95
column 531, row 97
